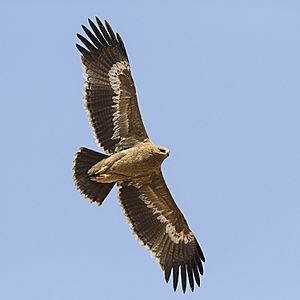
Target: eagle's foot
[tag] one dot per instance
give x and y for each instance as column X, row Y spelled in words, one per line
column 101, row 177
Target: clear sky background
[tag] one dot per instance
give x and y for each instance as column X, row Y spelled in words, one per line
column 218, row 84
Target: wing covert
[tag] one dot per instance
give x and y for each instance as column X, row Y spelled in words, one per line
column 109, row 93
column 159, row 224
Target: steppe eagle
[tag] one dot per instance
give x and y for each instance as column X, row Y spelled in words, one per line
column 132, row 161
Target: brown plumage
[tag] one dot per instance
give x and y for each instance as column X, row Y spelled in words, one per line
column 132, row 161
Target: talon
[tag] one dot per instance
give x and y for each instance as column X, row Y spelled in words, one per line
column 100, row 177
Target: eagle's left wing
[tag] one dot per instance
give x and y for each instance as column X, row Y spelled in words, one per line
column 109, row 93
column 159, row 224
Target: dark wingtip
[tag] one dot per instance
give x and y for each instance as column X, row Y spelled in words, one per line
column 196, row 274
column 82, row 50
column 121, row 43
column 175, row 276
column 200, row 252
column 199, row 264
column 167, row 273
column 107, row 25
column 92, row 37
column 112, row 35
column 190, row 276
column 98, row 20
column 91, row 23
column 86, row 43
column 103, row 30
column 183, row 277
column 100, row 35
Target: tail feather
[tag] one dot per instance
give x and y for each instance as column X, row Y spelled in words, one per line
column 94, row 191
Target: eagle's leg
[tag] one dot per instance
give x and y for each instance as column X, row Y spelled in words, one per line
column 101, row 171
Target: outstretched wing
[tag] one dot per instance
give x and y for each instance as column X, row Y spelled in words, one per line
column 159, row 224
column 110, row 96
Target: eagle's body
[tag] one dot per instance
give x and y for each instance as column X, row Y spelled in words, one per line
column 131, row 160
column 139, row 161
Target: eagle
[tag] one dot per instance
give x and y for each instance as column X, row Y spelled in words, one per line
column 131, row 161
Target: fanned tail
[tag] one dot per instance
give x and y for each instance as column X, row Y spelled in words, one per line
column 94, row 191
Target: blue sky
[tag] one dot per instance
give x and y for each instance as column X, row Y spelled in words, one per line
column 218, row 84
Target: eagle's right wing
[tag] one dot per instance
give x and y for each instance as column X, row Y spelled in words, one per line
column 161, row 227
column 110, row 95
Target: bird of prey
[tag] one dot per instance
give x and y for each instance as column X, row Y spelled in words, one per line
column 131, row 161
